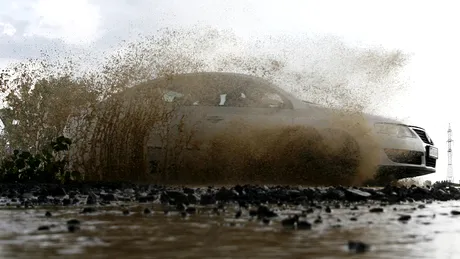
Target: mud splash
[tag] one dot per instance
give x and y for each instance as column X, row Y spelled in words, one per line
column 111, row 143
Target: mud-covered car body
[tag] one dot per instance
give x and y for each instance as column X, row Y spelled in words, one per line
column 220, row 99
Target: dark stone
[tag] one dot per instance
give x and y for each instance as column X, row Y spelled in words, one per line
column 40, row 228
column 238, row 214
column 56, row 191
column 88, row 210
column 225, row 195
column 178, row 197
column 455, row 212
column 188, row 190
column 404, row 218
column 358, row 246
column 73, row 222
column 376, row 210
column 190, row 210
column 66, row 202
column 265, row 212
column 303, row 225
column 207, row 199
column 92, row 199
column 356, row 195
column 73, row 228
column 290, row 222
column 334, row 194
column 109, row 197
column 192, row 198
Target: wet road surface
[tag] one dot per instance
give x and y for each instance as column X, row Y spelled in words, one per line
column 406, row 230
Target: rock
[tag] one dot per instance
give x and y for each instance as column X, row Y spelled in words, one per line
column 404, row 218
column 225, row 195
column 91, row 199
column 334, row 194
column 57, row 192
column 192, row 198
column 41, row 228
column 108, row 197
column 290, row 222
column 178, row 197
column 303, row 225
column 376, row 210
column 238, row 214
column 190, row 210
column 66, row 202
column 27, row 195
column 455, row 212
column 188, row 190
column 73, row 228
column 266, row 221
column 358, row 246
column 207, row 199
column 265, row 212
column 356, row 195
column 88, row 210
column 73, row 222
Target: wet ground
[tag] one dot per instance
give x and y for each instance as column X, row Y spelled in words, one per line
column 153, row 222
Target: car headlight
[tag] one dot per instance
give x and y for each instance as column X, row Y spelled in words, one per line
column 395, row 130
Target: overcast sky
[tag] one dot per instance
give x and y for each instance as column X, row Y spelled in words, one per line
column 426, row 29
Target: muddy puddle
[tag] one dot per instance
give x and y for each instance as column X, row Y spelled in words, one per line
column 146, row 231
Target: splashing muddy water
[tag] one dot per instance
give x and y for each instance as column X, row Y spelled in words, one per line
column 112, row 139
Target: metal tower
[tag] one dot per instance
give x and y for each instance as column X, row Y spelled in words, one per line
column 450, row 172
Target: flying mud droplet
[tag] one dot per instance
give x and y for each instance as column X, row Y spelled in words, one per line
column 111, row 119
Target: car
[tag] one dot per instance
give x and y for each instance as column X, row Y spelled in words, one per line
column 218, row 99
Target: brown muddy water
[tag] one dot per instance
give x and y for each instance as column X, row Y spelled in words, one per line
column 109, row 233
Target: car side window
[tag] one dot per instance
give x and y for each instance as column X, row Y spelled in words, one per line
column 251, row 99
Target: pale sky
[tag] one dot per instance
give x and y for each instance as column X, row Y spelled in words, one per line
column 428, row 30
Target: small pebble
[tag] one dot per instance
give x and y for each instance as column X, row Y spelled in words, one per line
column 376, row 210
column 455, row 212
column 404, row 218
column 358, row 246
column 73, row 228
column 40, row 228
column 88, row 210
column 303, row 225
column 238, row 214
